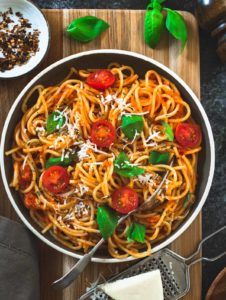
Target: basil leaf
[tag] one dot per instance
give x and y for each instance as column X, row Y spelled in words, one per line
column 176, row 25
column 168, row 131
column 129, row 232
column 136, row 232
column 132, row 125
column 86, row 29
column 153, row 26
column 158, row 1
column 55, row 121
column 107, row 220
column 57, row 161
column 157, row 157
column 156, row 4
column 123, row 166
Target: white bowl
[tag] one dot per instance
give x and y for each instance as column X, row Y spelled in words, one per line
column 100, row 59
column 38, row 21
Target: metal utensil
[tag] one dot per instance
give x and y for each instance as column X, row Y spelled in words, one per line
column 79, row 267
column 173, row 267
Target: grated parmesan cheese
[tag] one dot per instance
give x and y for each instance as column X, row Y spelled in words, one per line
column 152, row 136
column 81, row 209
column 147, row 178
column 72, row 128
column 121, row 102
column 82, row 153
column 69, row 216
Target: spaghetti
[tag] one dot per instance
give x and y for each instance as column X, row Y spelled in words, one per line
column 70, row 215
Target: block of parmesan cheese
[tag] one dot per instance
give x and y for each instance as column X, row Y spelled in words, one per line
column 146, row 286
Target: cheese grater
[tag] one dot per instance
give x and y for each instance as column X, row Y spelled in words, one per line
column 173, row 267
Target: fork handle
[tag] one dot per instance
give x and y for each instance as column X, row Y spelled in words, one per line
column 209, row 259
column 78, row 268
column 200, row 247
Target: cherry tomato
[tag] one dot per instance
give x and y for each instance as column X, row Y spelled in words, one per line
column 188, row 135
column 103, row 133
column 30, row 200
column 55, row 179
column 124, row 200
column 101, row 79
column 25, row 176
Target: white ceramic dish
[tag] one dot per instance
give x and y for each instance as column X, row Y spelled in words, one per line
column 100, row 59
column 38, row 21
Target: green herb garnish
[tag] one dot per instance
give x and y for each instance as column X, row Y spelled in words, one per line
column 132, row 125
column 155, row 22
column 176, row 26
column 168, row 131
column 123, row 166
column 86, row 29
column 55, row 121
column 157, row 157
column 136, row 232
column 107, row 220
column 58, row 161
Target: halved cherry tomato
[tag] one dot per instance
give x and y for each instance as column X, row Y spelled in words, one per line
column 25, row 176
column 124, row 200
column 101, row 79
column 30, row 200
column 55, row 179
column 188, row 135
column 103, row 133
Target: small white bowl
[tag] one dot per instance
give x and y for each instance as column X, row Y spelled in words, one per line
column 38, row 21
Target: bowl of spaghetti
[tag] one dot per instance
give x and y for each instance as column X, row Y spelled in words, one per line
column 90, row 138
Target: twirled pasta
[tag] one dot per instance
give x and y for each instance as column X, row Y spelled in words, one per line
column 71, row 217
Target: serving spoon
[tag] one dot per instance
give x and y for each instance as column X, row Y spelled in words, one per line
column 79, row 267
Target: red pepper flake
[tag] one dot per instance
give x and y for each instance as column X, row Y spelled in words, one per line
column 18, row 43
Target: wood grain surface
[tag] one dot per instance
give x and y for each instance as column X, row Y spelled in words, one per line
column 126, row 32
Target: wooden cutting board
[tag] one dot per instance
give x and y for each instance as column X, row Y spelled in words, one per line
column 126, row 32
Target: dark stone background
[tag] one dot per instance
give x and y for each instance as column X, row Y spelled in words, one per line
column 213, row 95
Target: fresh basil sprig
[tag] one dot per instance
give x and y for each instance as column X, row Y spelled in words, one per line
column 155, row 22
column 168, row 131
column 123, row 166
column 157, row 157
column 107, row 220
column 132, row 125
column 55, row 121
column 86, row 29
column 136, row 232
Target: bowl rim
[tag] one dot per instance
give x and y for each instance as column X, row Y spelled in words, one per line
column 44, row 54
column 184, row 225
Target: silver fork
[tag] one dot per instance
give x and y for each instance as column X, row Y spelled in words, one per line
column 79, row 267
